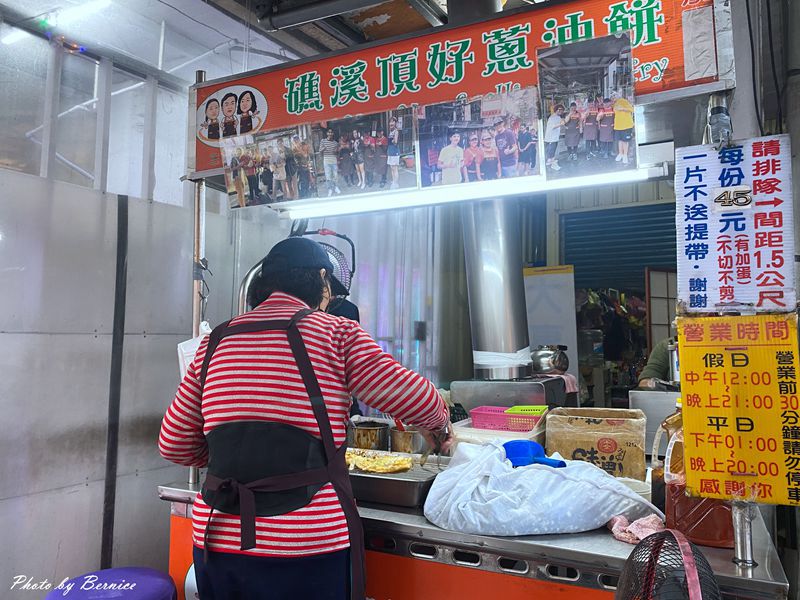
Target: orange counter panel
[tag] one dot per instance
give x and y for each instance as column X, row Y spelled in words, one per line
column 391, row 577
column 180, row 551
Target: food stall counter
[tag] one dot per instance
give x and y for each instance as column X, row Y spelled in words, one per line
column 407, row 557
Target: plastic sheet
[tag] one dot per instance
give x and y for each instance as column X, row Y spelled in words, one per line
column 493, row 360
column 481, row 493
column 187, row 349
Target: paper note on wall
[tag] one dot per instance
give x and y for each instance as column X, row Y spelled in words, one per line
column 550, row 297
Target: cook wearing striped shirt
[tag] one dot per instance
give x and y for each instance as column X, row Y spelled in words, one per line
column 264, row 405
column 329, row 149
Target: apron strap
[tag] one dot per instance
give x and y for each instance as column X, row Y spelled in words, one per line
column 225, row 329
column 213, row 341
column 312, row 388
column 245, row 492
column 339, row 477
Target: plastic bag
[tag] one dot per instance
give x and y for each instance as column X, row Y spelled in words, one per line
column 481, row 493
column 187, row 349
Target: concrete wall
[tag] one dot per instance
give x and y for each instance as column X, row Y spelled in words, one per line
column 57, row 271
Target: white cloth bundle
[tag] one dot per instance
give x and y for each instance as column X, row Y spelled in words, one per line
column 481, row 493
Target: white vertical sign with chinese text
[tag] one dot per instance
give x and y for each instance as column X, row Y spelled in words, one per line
column 735, row 227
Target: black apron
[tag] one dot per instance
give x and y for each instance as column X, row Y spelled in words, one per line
column 267, row 469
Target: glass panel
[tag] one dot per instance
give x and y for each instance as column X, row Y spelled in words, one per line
column 23, row 71
column 77, row 121
column 171, row 123
column 125, row 146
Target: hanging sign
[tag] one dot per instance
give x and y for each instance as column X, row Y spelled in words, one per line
column 494, row 56
column 741, row 413
column 735, row 227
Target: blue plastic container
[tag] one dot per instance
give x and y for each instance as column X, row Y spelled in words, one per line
column 526, row 452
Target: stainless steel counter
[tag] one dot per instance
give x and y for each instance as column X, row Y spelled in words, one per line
column 593, row 559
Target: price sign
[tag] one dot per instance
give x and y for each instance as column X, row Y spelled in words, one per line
column 735, row 227
column 741, row 412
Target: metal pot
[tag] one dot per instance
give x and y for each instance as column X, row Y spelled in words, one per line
column 370, row 435
column 550, row 359
column 410, row 441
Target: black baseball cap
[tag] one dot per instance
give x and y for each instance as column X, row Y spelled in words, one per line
column 301, row 253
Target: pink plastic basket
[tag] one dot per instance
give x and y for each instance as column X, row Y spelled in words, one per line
column 496, row 417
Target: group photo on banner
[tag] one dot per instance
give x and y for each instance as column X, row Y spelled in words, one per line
column 587, row 102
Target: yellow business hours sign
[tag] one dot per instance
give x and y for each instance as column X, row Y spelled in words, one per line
column 741, row 413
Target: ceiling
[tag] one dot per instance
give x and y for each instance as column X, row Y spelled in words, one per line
column 371, row 20
column 224, row 37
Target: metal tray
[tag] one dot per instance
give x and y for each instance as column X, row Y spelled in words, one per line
column 397, row 489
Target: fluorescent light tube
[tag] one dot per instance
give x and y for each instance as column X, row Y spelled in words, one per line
column 478, row 190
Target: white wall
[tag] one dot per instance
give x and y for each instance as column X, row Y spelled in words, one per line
column 57, row 270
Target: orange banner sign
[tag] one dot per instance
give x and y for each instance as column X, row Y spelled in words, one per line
column 494, row 56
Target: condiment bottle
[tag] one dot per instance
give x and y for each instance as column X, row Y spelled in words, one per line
column 704, row 521
column 669, row 426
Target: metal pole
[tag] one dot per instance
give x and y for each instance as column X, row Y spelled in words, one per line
column 162, row 45
column 792, row 96
column 244, row 287
column 313, row 11
column 149, row 138
column 742, row 105
column 493, row 256
column 52, row 90
column 198, row 251
column 719, row 130
column 104, row 76
column 743, row 515
column 790, row 556
column 495, row 285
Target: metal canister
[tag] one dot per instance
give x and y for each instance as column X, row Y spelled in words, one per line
column 370, row 435
column 674, row 362
column 410, row 441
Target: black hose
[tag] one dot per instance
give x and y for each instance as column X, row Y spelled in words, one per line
column 778, row 90
column 753, row 68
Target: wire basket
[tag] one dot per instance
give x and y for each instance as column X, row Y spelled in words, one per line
column 498, row 419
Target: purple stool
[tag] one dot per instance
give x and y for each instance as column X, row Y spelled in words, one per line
column 134, row 583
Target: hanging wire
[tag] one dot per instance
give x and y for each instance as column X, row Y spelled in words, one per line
column 248, row 29
column 195, row 20
column 778, row 88
column 753, row 68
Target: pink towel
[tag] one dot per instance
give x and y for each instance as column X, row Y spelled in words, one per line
column 570, row 382
column 635, row 532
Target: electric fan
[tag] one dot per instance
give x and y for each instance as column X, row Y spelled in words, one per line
column 343, row 269
column 667, row 566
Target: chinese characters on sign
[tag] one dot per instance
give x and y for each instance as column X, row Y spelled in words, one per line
column 495, row 56
column 741, row 413
column 735, row 227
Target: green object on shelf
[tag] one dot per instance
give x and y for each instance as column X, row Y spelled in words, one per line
column 526, row 410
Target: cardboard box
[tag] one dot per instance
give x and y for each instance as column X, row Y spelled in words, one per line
column 611, row 438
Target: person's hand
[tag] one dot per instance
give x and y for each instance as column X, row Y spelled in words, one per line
column 648, row 383
column 444, row 438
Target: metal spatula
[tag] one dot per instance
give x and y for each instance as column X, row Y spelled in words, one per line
column 436, row 448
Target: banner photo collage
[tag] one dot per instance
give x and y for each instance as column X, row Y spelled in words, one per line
column 580, row 122
column 541, row 92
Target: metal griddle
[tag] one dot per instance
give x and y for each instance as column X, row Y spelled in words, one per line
column 397, row 489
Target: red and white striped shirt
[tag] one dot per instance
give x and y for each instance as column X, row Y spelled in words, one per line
column 253, row 377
